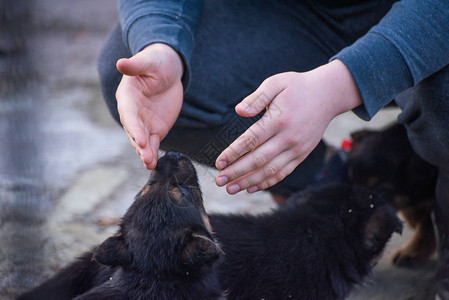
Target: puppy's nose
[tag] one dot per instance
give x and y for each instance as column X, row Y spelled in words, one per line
column 176, row 165
column 169, row 162
column 173, row 155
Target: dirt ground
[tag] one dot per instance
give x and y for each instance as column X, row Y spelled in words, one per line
column 89, row 173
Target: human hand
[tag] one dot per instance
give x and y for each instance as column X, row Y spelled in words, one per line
column 302, row 106
column 149, row 98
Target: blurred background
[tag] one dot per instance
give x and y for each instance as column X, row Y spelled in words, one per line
column 67, row 171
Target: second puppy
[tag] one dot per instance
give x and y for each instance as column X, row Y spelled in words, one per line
column 387, row 158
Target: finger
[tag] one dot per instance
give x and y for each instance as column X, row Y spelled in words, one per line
column 254, row 136
column 129, row 115
column 154, row 146
column 274, row 170
column 136, row 65
column 147, row 157
column 145, row 154
column 260, row 99
column 133, row 143
column 134, row 128
column 251, row 161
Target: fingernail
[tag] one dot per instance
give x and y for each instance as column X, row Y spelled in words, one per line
column 222, row 180
column 221, row 165
column 245, row 107
column 233, row 189
column 252, row 189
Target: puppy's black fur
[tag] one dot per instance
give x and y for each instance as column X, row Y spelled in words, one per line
column 316, row 246
column 386, row 158
column 163, row 250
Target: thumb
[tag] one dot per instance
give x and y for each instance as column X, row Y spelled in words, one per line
column 138, row 64
column 260, row 99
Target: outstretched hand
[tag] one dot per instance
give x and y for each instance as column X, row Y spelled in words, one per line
column 299, row 107
column 149, row 98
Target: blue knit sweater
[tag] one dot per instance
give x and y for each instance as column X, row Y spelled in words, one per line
column 410, row 43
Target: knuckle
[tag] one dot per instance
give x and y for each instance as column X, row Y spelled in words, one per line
column 280, row 123
column 259, row 161
column 250, row 142
column 271, row 81
column 244, row 183
column 270, row 171
column 290, row 141
column 272, row 181
column 280, row 176
column 234, row 174
column 229, row 155
column 264, row 185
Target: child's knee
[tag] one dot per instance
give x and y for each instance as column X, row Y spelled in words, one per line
column 109, row 76
column 425, row 113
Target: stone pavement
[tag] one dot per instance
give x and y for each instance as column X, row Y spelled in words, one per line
column 89, row 174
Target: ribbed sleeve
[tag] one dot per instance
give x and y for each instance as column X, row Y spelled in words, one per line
column 170, row 22
column 410, row 43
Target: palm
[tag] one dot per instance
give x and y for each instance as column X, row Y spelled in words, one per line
column 155, row 116
column 149, row 98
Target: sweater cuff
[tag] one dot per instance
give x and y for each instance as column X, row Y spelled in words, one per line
column 379, row 71
column 150, row 29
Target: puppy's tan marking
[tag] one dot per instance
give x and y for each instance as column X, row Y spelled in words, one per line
column 176, row 194
column 145, row 190
column 206, row 221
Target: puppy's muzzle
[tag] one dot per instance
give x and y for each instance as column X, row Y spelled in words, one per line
column 176, row 166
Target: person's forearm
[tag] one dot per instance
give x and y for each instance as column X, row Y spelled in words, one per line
column 170, row 22
column 410, row 43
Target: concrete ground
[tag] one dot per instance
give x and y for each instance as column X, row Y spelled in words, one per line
column 89, row 173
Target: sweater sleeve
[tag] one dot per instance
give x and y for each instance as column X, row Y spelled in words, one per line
column 172, row 22
column 409, row 44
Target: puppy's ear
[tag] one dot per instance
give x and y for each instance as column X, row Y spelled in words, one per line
column 379, row 228
column 200, row 250
column 112, row 252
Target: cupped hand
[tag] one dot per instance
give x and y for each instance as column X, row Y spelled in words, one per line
column 299, row 108
column 149, row 98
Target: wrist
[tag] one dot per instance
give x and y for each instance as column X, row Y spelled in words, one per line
column 338, row 80
column 170, row 55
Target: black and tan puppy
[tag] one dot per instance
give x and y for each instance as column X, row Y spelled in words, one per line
column 163, row 250
column 317, row 246
column 387, row 158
